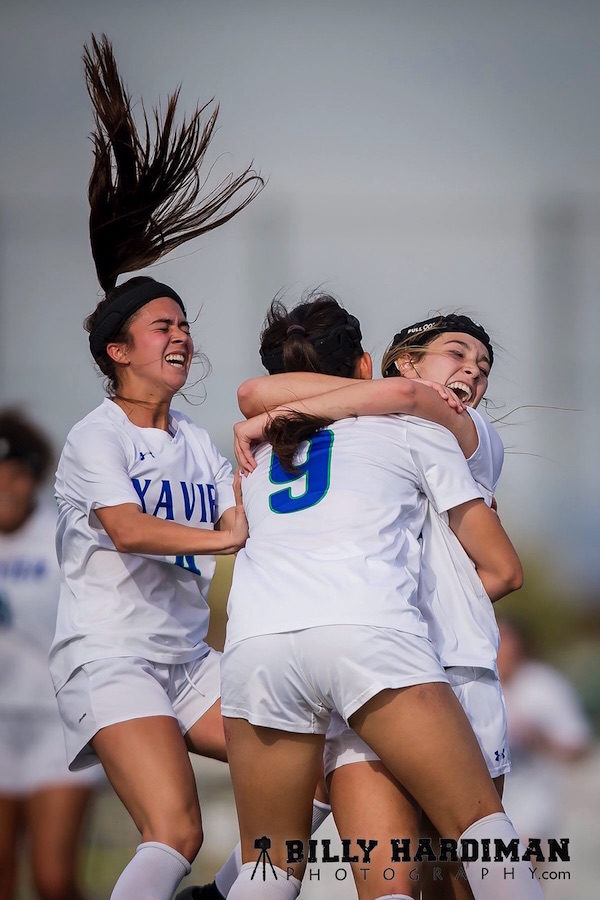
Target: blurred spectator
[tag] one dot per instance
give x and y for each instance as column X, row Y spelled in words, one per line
column 39, row 797
column 547, row 731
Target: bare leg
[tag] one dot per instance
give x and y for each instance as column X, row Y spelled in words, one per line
column 322, row 792
column 147, row 763
column 447, row 881
column 366, row 800
column 55, row 817
column 274, row 776
column 421, row 734
column 206, row 736
column 11, row 809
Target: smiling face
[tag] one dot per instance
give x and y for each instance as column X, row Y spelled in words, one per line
column 454, row 359
column 156, row 358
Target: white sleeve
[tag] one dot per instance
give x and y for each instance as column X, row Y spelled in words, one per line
column 487, row 460
column 94, row 470
column 224, row 485
column 222, row 473
column 443, row 471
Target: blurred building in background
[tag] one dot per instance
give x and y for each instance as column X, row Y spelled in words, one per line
column 419, row 157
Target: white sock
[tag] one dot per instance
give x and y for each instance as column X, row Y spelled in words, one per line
column 499, row 880
column 248, row 888
column 230, row 869
column 153, row 873
column 395, row 897
column 320, row 812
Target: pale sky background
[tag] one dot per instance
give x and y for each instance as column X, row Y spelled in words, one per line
column 423, row 155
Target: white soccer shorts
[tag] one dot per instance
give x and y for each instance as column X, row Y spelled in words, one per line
column 481, row 697
column 107, row 691
column 292, row 681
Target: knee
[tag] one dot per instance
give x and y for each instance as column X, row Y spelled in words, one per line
column 185, row 837
column 190, row 841
column 175, row 821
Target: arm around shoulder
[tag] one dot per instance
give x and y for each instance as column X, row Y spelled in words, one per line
column 259, row 395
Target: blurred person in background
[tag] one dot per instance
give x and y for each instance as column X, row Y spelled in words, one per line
column 39, row 798
column 547, row 730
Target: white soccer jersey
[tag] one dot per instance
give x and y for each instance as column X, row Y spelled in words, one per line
column 29, row 580
column 124, row 604
column 338, row 543
column 459, row 615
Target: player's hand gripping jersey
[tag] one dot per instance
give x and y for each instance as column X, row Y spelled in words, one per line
column 459, row 615
column 339, row 542
column 127, row 604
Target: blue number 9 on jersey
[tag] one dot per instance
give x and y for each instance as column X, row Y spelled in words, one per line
column 315, row 470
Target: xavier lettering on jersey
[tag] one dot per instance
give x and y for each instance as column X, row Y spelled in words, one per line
column 23, row 568
column 174, row 500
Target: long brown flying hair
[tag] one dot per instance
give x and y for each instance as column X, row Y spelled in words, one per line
column 144, row 190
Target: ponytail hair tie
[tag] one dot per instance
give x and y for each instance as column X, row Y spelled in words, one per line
column 295, row 329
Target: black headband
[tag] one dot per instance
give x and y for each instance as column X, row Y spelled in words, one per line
column 116, row 313
column 332, row 345
column 422, row 332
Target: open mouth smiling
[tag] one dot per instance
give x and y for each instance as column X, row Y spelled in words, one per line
column 176, row 359
column 462, row 390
